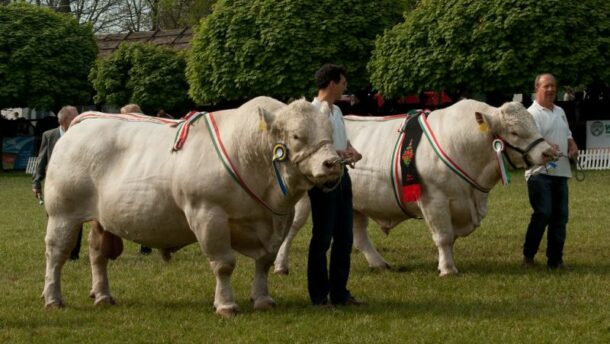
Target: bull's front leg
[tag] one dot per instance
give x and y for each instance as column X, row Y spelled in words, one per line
column 438, row 218
column 444, row 243
column 211, row 228
column 260, row 292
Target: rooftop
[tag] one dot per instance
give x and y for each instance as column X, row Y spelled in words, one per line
column 177, row 39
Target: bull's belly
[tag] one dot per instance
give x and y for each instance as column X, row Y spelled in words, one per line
column 153, row 232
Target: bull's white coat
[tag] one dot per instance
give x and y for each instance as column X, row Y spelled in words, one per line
column 451, row 207
column 125, row 176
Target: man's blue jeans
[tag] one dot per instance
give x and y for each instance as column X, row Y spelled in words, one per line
column 548, row 197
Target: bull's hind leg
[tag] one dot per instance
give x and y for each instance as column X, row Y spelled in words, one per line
column 102, row 246
column 60, row 239
column 363, row 243
column 260, row 292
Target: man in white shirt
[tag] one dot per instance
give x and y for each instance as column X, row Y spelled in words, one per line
column 548, row 185
column 332, row 211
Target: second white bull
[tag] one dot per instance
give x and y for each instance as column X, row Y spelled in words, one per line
column 457, row 166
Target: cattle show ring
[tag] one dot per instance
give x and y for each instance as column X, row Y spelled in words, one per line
column 232, row 187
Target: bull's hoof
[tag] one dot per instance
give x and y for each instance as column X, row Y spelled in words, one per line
column 281, row 271
column 105, row 300
column 54, row 305
column 448, row 273
column 381, row 266
column 264, row 303
column 227, row 312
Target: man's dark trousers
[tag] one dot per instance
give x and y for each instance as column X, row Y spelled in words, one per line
column 548, row 197
column 332, row 221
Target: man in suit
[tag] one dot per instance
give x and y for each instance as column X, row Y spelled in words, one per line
column 49, row 138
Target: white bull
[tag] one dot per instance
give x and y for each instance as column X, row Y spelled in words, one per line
column 124, row 175
column 450, row 206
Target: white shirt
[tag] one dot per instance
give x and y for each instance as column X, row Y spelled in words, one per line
column 553, row 125
column 336, row 119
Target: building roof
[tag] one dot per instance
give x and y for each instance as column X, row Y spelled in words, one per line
column 177, row 39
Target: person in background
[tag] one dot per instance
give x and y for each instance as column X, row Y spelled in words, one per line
column 49, row 139
column 548, row 186
column 162, row 114
column 131, row 108
column 135, row 108
column 332, row 211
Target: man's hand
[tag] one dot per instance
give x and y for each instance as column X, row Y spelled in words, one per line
column 353, row 154
column 37, row 193
column 350, row 155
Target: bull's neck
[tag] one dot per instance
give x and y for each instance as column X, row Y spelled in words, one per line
column 470, row 148
column 251, row 150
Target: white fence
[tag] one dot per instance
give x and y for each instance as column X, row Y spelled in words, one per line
column 31, row 168
column 594, row 159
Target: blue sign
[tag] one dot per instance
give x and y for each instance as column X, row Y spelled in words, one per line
column 16, row 151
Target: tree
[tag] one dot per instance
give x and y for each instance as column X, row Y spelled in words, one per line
column 132, row 15
column 44, row 58
column 247, row 48
column 173, row 14
column 151, row 76
column 493, row 45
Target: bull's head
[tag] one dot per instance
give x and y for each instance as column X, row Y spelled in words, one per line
column 515, row 126
column 306, row 134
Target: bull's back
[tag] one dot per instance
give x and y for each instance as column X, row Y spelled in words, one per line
column 119, row 173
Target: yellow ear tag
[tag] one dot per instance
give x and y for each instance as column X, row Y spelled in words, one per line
column 262, row 126
column 483, row 127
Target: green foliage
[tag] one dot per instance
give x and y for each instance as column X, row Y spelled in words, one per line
column 173, row 14
column 495, row 45
column 44, row 58
column 492, row 301
column 150, row 76
column 247, row 48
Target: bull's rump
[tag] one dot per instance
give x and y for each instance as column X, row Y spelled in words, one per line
column 123, row 174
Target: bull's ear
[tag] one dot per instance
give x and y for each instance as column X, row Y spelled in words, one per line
column 325, row 108
column 265, row 119
column 483, row 121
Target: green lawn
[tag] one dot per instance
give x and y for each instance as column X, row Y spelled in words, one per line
column 493, row 300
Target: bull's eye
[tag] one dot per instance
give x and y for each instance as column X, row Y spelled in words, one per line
column 514, row 133
column 295, row 136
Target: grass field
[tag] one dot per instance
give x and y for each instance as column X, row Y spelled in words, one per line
column 493, row 300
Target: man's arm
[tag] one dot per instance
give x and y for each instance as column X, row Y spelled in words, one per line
column 572, row 149
column 41, row 166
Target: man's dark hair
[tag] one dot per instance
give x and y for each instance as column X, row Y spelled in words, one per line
column 327, row 73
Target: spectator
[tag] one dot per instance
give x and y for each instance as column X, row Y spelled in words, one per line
column 162, row 114
column 131, row 108
column 49, row 139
